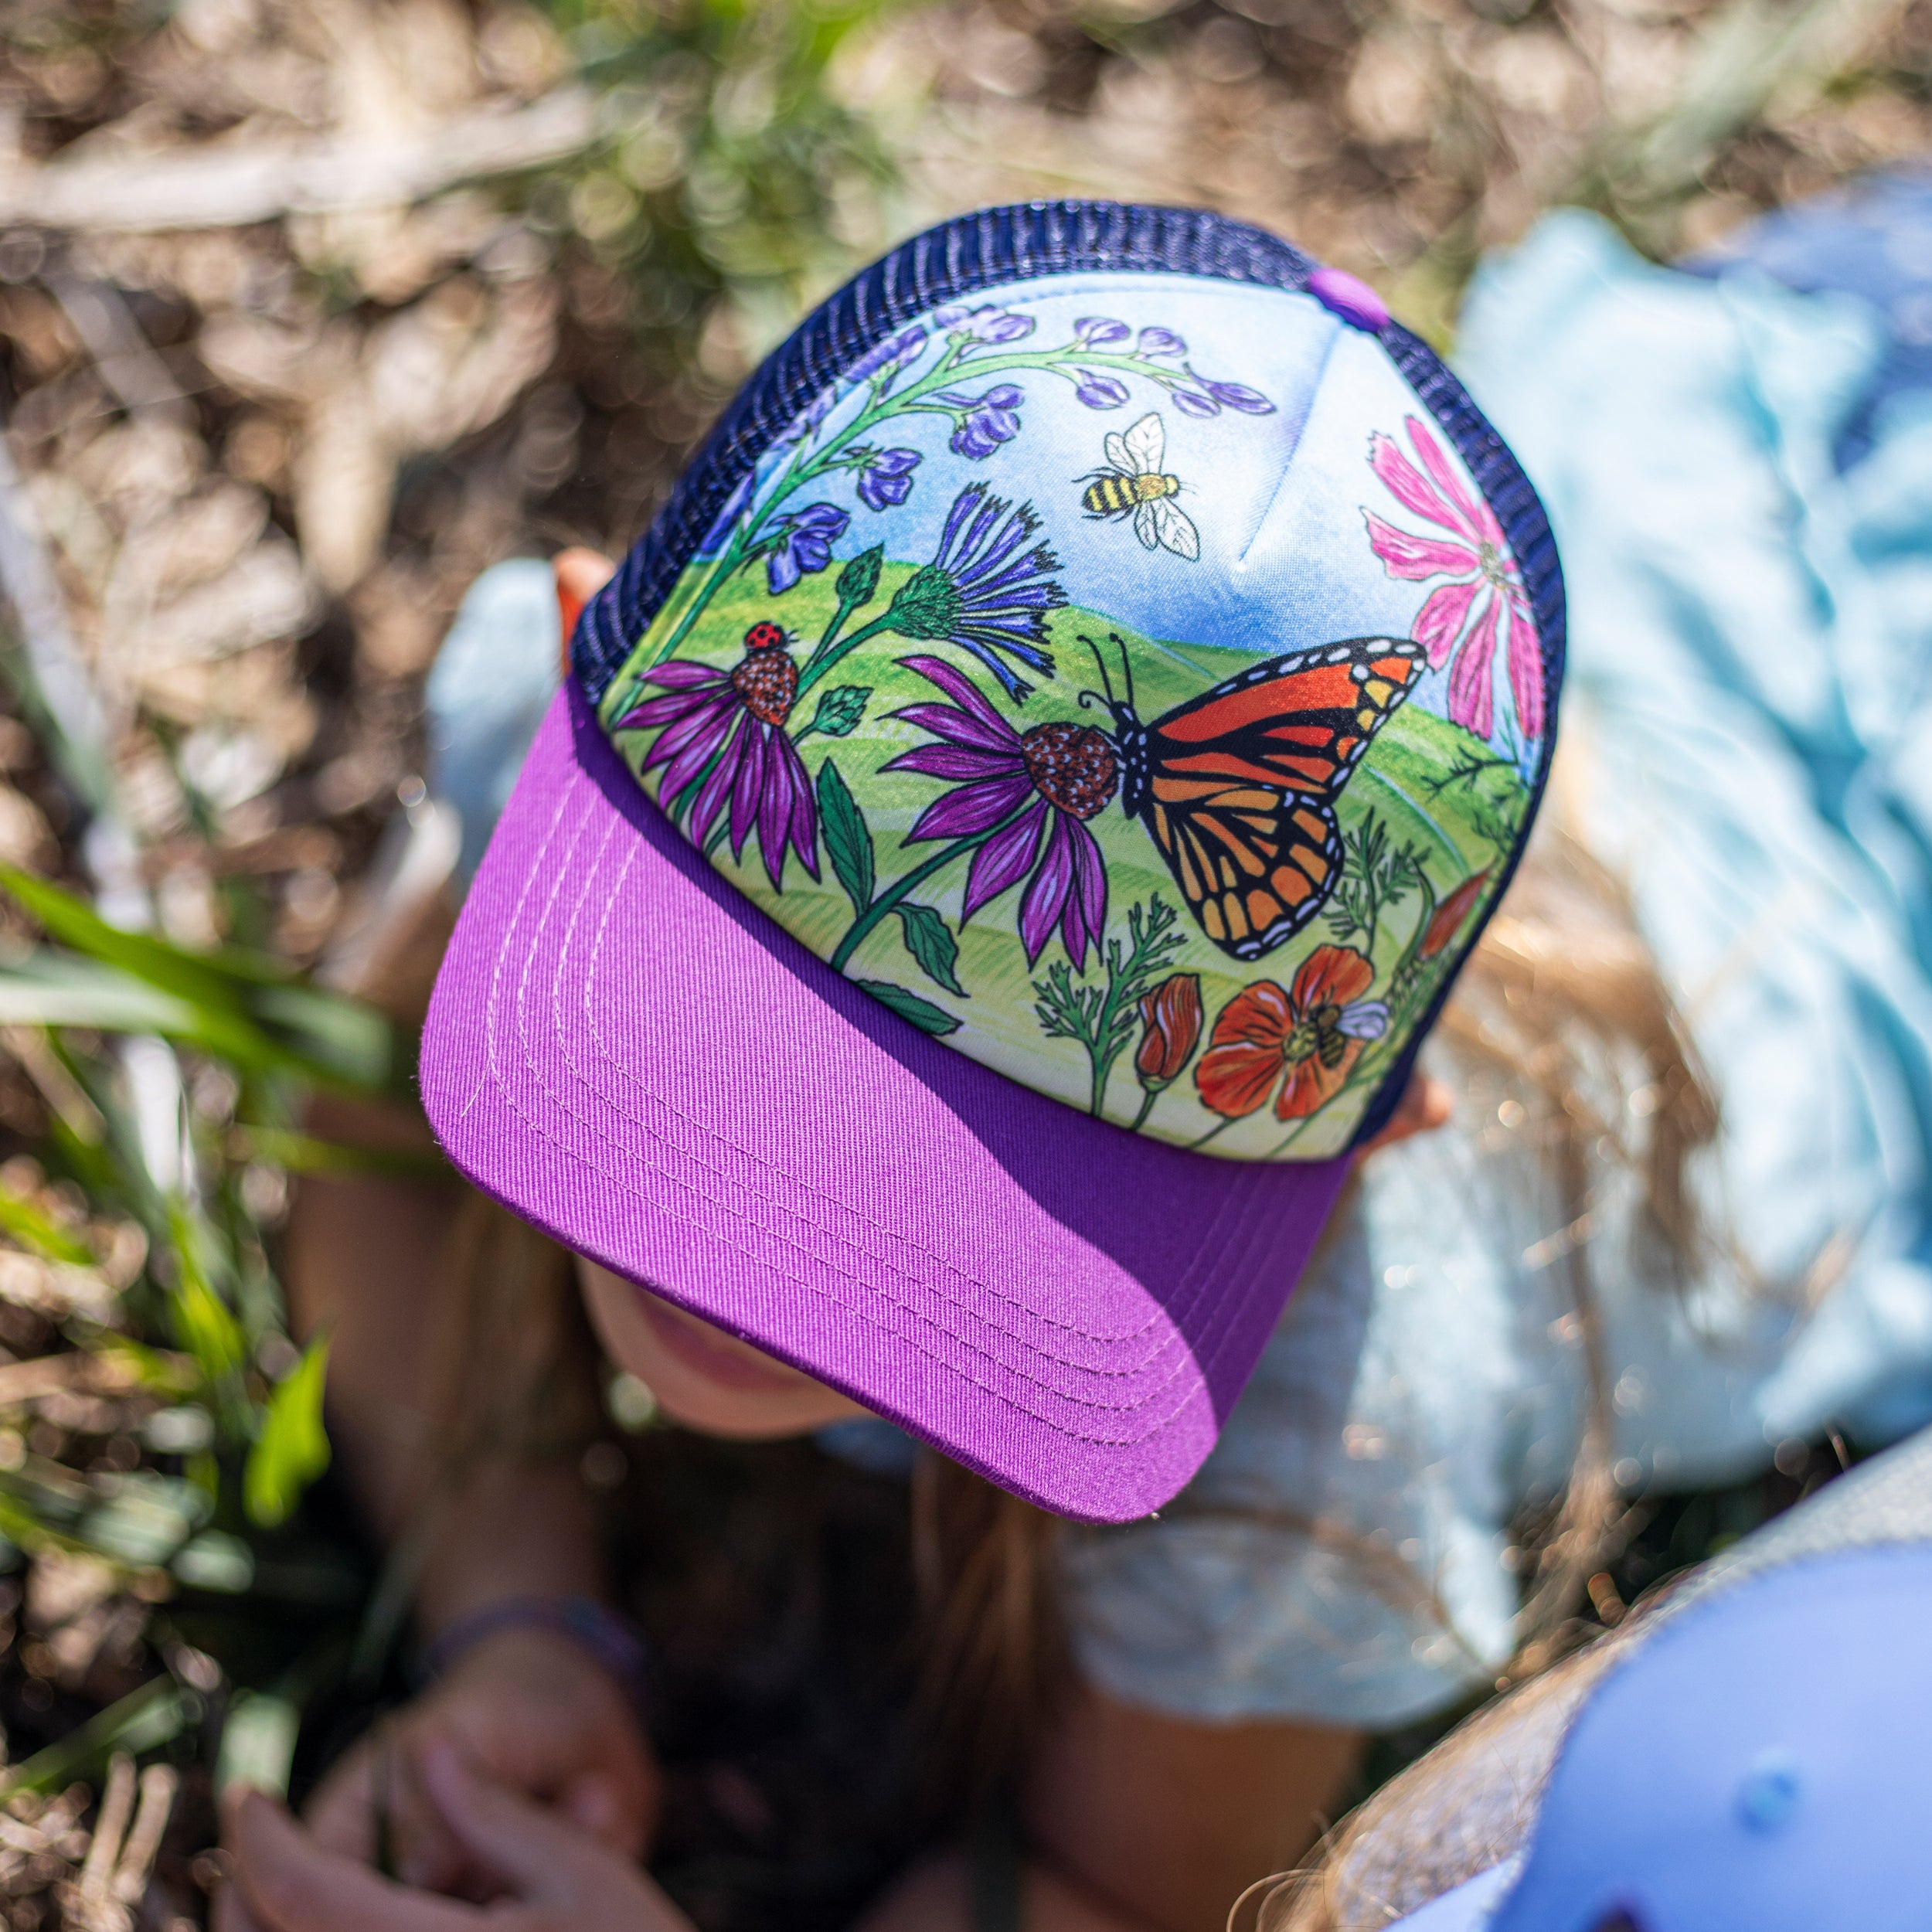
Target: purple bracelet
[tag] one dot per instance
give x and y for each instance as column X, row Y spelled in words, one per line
column 607, row 1637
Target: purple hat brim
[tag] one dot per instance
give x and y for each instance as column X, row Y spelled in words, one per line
column 626, row 1052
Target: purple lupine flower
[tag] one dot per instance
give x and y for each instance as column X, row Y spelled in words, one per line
column 723, row 733
column 983, row 590
column 805, row 540
column 1237, row 395
column 1033, row 791
column 1100, row 391
column 1159, row 342
column 887, row 478
column 1192, row 402
column 985, row 421
column 891, row 354
column 984, row 324
column 733, row 508
column 1091, row 331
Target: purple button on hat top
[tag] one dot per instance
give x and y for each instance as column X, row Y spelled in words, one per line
column 1350, row 296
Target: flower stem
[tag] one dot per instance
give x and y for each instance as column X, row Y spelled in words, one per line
column 1149, row 1095
column 1226, row 1121
column 889, row 901
column 950, row 368
column 827, row 654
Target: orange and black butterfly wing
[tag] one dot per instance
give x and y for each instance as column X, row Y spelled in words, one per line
column 1238, row 787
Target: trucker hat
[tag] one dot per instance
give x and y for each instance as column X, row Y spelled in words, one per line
column 1009, row 824
column 1755, row 1761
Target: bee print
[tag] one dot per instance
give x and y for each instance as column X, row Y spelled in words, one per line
column 1134, row 484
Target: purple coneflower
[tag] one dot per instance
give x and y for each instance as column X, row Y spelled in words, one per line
column 724, row 732
column 1028, row 796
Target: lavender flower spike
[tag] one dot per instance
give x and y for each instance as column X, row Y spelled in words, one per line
column 1160, row 341
column 1100, row 391
column 891, row 354
column 984, row 324
column 1237, row 395
column 1090, row 332
column 984, row 421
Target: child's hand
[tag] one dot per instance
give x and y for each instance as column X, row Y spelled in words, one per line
column 531, row 1710
column 548, row 1874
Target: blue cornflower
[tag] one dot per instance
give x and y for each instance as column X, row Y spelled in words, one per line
column 887, row 478
column 985, row 421
column 805, row 541
column 984, row 591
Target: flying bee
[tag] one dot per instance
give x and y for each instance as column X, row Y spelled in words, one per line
column 1133, row 483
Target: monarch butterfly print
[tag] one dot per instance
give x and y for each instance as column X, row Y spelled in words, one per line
column 1238, row 787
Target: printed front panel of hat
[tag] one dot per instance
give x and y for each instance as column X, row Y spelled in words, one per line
column 1122, row 679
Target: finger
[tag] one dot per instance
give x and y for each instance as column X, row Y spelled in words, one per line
column 548, row 1861
column 371, row 1803
column 531, row 1849
column 1427, row 1103
column 290, row 1884
column 230, row 1913
column 592, row 1802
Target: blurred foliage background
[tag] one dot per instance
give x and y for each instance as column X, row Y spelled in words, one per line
column 310, row 310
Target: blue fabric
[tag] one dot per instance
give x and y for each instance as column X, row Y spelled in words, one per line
column 1749, row 652
column 1872, row 240
column 491, row 683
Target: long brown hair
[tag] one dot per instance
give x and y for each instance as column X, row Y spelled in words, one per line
column 1561, row 1030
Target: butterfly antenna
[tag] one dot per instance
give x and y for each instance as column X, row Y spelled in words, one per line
column 1127, row 669
column 1100, row 663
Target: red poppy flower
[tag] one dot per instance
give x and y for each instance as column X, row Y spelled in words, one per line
column 1450, row 914
column 1308, row 1037
column 1171, row 1017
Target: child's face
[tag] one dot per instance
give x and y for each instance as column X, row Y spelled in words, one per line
column 702, row 1377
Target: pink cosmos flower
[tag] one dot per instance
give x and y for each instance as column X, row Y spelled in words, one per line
column 1484, row 596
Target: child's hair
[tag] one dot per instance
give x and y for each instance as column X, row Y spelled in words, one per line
column 1464, row 1808
column 1561, row 1031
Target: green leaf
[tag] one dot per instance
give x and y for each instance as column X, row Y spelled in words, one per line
column 292, row 1449
column 859, row 580
column 929, row 941
column 848, row 838
column 31, row 1228
column 205, row 1326
column 839, row 712
column 923, row 1013
column 152, row 1715
column 240, row 1006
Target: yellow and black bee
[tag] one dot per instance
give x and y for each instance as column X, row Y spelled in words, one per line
column 1134, row 484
